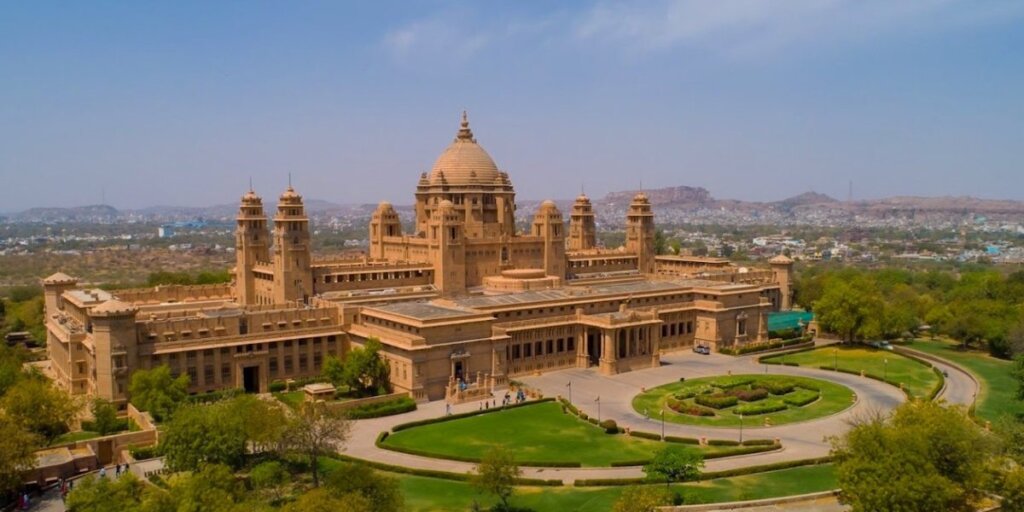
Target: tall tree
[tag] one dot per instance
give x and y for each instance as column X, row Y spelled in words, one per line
column 39, row 407
column 497, row 474
column 92, row 494
column 17, row 446
column 924, row 457
column 847, row 308
column 314, row 430
column 157, row 391
column 364, row 371
column 104, row 417
column 675, row 464
column 382, row 492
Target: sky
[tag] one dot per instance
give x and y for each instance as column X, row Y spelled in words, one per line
column 181, row 103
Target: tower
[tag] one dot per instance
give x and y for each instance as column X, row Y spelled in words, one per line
column 252, row 245
column 448, row 249
column 383, row 224
column 114, row 340
column 293, row 277
column 782, row 273
column 582, row 228
column 640, row 232
column 548, row 224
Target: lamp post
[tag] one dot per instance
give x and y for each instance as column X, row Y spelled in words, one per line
column 885, row 369
column 569, row 385
column 741, row 428
column 835, row 359
column 662, row 424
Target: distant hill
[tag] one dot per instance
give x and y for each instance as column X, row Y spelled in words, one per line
column 92, row 213
column 678, row 196
column 805, row 199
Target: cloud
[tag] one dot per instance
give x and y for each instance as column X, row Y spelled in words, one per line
column 758, row 27
column 442, row 36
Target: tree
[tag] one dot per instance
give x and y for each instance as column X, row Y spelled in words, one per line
column 93, row 494
column 318, row 500
column 104, row 417
column 497, row 474
column 270, row 477
column 16, row 453
column 213, row 487
column 314, row 430
column 224, row 432
column 39, row 407
column 364, row 371
column 157, row 391
column 11, row 360
column 381, row 492
column 847, row 307
column 924, row 457
column 675, row 464
column 642, row 498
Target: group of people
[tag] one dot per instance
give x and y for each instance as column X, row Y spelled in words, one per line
column 519, row 398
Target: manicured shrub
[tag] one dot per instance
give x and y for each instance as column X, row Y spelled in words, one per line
column 717, row 401
column 278, row 386
column 777, row 387
column 389, row 408
column 758, row 442
column 748, row 395
column 801, row 397
column 731, row 382
column 761, row 408
column 644, row 435
column 682, row 440
column 692, row 391
column 145, row 452
column 610, row 427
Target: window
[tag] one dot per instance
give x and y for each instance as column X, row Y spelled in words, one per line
column 571, row 344
column 550, row 347
column 561, row 345
column 273, row 366
column 538, row 348
column 302, row 362
column 515, row 351
column 208, row 374
column 225, row 372
column 526, row 349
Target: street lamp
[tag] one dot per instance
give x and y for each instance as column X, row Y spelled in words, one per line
column 741, row 428
column 835, row 359
column 885, row 366
column 662, row 424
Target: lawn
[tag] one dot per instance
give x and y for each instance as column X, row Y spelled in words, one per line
column 539, row 433
column 430, row 494
column 291, row 398
column 998, row 387
column 918, row 379
column 832, row 398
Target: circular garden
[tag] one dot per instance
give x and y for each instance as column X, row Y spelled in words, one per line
column 754, row 400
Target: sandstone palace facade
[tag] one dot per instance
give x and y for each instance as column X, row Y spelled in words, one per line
column 465, row 296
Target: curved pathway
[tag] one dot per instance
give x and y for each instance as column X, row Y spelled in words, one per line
column 802, row 440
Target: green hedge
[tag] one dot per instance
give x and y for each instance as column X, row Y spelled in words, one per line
column 429, row 421
column 717, row 401
column 756, row 409
column 431, row 473
column 278, row 386
column 758, row 442
column 683, row 440
column 743, row 450
column 938, row 387
column 710, row 475
column 399, row 405
column 145, row 452
column 800, row 402
column 645, row 435
column 467, row 458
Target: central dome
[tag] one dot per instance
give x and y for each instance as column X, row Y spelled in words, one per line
column 464, row 162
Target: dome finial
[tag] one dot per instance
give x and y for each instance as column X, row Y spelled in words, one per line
column 464, row 132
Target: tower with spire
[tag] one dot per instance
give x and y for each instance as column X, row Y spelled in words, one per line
column 293, row 276
column 582, row 227
column 640, row 232
column 252, row 245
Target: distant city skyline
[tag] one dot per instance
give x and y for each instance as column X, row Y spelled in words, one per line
column 181, row 103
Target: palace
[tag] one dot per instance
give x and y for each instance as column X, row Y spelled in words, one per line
column 465, row 301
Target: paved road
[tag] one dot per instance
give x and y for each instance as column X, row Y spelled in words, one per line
column 800, row 440
column 51, row 501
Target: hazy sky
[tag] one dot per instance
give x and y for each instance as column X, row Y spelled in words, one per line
column 181, row 102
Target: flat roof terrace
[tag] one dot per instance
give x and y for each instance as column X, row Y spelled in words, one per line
column 423, row 311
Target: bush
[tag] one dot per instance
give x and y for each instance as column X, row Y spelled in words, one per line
column 731, row 382
column 399, row 405
column 644, row 435
column 717, row 401
column 682, row 440
column 277, row 386
column 742, row 450
column 801, row 398
column 777, row 387
column 763, row 408
column 145, row 452
column 761, row 347
column 749, row 395
column 214, row 396
column 692, row 391
column 758, row 442
column 610, row 427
